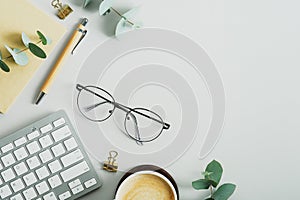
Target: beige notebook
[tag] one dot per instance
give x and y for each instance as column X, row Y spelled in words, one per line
column 19, row 16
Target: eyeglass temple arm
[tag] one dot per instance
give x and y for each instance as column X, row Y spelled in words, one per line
column 123, row 107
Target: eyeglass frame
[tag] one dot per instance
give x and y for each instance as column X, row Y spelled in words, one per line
column 122, row 107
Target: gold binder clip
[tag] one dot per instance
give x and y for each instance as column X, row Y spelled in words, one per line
column 111, row 165
column 63, row 10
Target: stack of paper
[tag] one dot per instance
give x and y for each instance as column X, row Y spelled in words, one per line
column 19, row 16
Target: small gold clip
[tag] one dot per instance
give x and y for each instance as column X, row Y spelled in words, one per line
column 111, row 165
column 63, row 10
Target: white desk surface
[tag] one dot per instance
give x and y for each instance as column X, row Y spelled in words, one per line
column 255, row 46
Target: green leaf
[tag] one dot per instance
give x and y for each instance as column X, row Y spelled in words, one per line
column 42, row 37
column 25, row 39
column 224, row 191
column 201, row 184
column 36, row 50
column 206, row 173
column 4, row 66
column 105, row 6
column 210, row 198
column 215, row 169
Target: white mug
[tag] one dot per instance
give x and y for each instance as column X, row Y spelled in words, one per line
column 120, row 191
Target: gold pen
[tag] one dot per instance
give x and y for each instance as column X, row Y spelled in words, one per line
column 80, row 30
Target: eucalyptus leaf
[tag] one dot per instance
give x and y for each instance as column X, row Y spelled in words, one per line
column 20, row 57
column 25, row 39
column 4, row 66
column 42, row 37
column 123, row 25
column 105, row 6
column 224, row 191
column 36, row 50
column 206, row 173
column 86, row 2
column 201, row 184
column 210, row 198
column 215, row 169
column 49, row 41
column 10, row 50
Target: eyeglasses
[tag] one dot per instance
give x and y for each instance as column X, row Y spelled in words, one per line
column 141, row 124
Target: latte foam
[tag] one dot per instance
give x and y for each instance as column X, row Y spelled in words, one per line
column 147, row 187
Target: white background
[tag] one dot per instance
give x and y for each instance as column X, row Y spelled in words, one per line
column 255, row 46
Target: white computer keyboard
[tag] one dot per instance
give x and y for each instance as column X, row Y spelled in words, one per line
column 45, row 161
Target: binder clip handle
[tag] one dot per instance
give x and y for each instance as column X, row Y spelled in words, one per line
column 111, row 165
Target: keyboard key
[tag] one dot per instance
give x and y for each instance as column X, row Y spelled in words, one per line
column 5, row 191
column 8, row 160
column 33, row 135
column 46, row 128
column 20, row 168
column 7, row 148
column 20, row 153
column 58, row 150
column 42, row 187
column 90, row 183
column 54, row 181
column 33, row 162
column 64, row 195
column 46, row 141
column 29, row 194
column 59, row 122
column 50, row 196
column 61, row 133
column 17, row 185
column 42, row 172
column 8, row 175
column 29, row 179
column 74, row 183
column 17, row 197
column 77, row 189
column 71, row 158
column 54, row 166
column 75, row 171
column 46, row 156
column 33, row 147
column 1, row 181
column 70, row 144
column 20, row 141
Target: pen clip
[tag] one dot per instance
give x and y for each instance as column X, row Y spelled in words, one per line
column 84, row 32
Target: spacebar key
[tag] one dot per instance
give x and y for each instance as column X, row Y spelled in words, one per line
column 75, row 171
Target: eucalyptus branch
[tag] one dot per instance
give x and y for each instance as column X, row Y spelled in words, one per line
column 19, row 56
column 212, row 176
column 25, row 49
